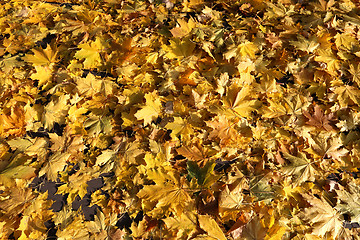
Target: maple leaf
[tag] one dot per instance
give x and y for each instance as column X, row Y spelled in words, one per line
column 221, row 83
column 288, row 190
column 290, row 105
column 243, row 50
column 88, row 86
column 180, row 127
column 355, row 72
column 91, row 85
column 43, row 74
column 98, row 124
column 319, row 120
column 231, row 200
column 157, row 169
column 327, row 146
column 179, row 48
column 56, row 164
column 55, row 112
column 105, row 157
column 42, row 57
column 184, row 224
column 101, row 225
column 31, row 224
column 296, row 103
column 184, row 28
column 18, row 168
column 222, row 129
column 74, row 229
column 77, row 184
column 91, row 53
column 345, row 40
column 322, row 216
column 253, row 230
column 305, row 45
column 347, row 95
column 332, row 63
column 196, row 152
column 275, row 232
column 131, row 150
column 209, row 225
column 138, row 229
column 12, row 122
column 31, row 147
column 235, row 99
column 10, row 62
column 301, row 168
column 67, row 142
column 204, row 175
column 260, row 188
column 15, row 199
column 151, row 110
column 276, row 109
column 170, row 194
column 350, row 201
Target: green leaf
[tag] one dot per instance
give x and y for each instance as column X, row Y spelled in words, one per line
column 260, row 188
column 301, row 168
column 203, row 175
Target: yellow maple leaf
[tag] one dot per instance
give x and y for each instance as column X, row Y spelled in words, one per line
column 355, row 72
column 55, row 164
column 42, row 57
column 91, row 53
column 242, row 51
column 43, row 74
column 275, row 232
column 31, row 224
column 231, row 201
column 326, row 56
column 74, row 229
column 77, row 184
column 288, row 190
column 151, row 110
column 105, row 157
column 293, row 105
column 88, row 86
column 180, row 127
column 197, row 152
column 55, row 112
column 306, row 45
column 179, row 48
column 209, row 225
column 300, row 168
column 17, row 199
column 171, row 194
column 253, row 230
column 138, row 229
column 98, row 124
column 347, row 95
column 222, row 129
column 184, row 28
column 184, row 224
column 12, row 122
column 345, row 40
column 323, row 217
column 236, row 99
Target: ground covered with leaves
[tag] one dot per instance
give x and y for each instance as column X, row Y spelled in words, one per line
column 179, row 119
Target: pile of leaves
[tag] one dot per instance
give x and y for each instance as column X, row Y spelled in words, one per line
column 150, row 119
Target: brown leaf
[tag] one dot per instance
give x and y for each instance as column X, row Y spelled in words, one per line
column 319, row 120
